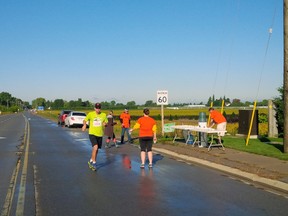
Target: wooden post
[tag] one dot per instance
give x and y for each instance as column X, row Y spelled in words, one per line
column 162, row 119
column 285, row 86
column 272, row 125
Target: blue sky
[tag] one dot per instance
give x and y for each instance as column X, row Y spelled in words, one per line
column 126, row 50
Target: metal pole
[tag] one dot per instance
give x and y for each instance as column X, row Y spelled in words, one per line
column 251, row 123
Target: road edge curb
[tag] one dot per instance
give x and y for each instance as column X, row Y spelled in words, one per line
column 253, row 177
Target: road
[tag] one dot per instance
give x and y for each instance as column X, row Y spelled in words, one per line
column 44, row 171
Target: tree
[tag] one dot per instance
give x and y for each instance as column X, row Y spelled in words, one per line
column 71, row 104
column 112, row 103
column 79, row 102
column 27, row 105
column 209, row 101
column 5, row 98
column 86, row 104
column 150, row 103
column 58, row 103
column 217, row 102
column 38, row 102
column 131, row 104
column 263, row 103
column 279, row 108
column 236, row 102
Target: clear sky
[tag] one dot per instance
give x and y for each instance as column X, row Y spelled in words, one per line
column 126, row 50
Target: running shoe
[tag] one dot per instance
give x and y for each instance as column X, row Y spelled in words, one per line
column 142, row 166
column 92, row 166
column 150, row 165
column 89, row 164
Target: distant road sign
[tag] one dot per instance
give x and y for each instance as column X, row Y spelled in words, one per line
column 162, row 97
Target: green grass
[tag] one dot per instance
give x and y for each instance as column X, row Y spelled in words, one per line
column 271, row 147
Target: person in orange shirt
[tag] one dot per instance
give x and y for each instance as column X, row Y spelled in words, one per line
column 147, row 134
column 125, row 119
column 219, row 119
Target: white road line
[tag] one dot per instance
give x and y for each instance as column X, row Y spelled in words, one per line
column 36, row 183
column 11, row 191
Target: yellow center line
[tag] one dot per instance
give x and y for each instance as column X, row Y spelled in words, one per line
column 22, row 187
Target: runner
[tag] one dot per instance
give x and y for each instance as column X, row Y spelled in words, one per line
column 97, row 120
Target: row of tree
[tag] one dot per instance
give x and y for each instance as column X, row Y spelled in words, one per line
column 61, row 104
column 8, row 102
column 235, row 102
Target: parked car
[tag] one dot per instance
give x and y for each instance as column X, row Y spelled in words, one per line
column 62, row 115
column 75, row 118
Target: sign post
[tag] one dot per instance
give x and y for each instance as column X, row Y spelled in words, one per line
column 162, row 99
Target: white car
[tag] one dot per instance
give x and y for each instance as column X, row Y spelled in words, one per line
column 75, row 119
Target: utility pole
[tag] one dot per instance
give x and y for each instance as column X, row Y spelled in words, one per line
column 285, row 83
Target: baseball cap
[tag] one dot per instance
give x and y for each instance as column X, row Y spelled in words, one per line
column 97, row 105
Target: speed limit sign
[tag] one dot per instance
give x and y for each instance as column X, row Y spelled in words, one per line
column 162, row 97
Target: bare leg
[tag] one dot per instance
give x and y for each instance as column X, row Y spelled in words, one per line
column 143, row 157
column 107, row 143
column 150, row 157
column 94, row 153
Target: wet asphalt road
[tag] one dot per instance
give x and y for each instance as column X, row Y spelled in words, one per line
column 48, row 175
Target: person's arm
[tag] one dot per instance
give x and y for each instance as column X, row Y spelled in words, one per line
column 105, row 121
column 136, row 126
column 121, row 120
column 212, row 123
column 84, row 125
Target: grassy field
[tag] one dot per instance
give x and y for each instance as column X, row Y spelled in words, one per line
column 271, row 147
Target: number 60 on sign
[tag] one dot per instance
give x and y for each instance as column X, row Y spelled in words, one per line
column 162, row 97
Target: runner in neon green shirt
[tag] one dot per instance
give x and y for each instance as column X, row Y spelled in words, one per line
column 97, row 121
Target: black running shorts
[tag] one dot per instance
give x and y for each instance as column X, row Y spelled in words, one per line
column 95, row 140
column 146, row 143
